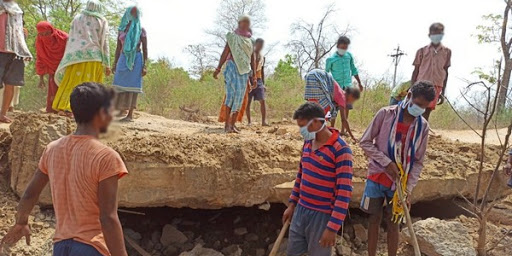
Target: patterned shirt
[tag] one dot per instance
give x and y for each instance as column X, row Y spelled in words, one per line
column 320, row 88
column 324, row 180
column 342, row 69
column 433, row 63
column 3, row 26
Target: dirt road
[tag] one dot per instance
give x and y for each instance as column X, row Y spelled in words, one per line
column 469, row 136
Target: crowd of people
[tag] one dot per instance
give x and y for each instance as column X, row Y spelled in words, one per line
column 83, row 173
column 70, row 59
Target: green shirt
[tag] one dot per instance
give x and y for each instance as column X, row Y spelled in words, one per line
column 342, row 69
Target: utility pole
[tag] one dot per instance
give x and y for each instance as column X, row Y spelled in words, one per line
column 397, row 55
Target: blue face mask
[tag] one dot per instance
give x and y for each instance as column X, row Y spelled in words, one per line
column 415, row 110
column 342, row 52
column 436, row 39
column 310, row 135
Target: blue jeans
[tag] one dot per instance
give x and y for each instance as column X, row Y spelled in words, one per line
column 71, row 247
column 306, row 231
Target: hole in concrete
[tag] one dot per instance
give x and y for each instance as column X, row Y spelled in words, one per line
column 252, row 229
column 439, row 208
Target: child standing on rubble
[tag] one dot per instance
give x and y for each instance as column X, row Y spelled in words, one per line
column 320, row 198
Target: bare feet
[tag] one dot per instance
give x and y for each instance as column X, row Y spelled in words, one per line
column 231, row 129
column 126, row 119
column 65, row 113
column 5, row 119
column 11, row 109
column 122, row 113
column 265, row 124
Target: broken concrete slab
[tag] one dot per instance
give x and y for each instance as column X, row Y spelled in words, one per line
column 180, row 164
column 439, row 237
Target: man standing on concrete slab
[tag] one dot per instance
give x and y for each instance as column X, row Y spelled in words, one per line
column 320, row 198
column 431, row 64
column 395, row 143
column 83, row 175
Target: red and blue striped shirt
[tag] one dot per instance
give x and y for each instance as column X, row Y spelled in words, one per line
column 324, row 181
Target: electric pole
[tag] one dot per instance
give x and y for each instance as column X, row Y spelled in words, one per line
column 397, row 55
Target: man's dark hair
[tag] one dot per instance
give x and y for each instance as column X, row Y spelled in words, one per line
column 436, row 26
column 88, row 99
column 260, row 40
column 356, row 93
column 343, row 40
column 424, row 89
column 309, row 110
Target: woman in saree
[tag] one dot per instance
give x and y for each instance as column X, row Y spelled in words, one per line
column 240, row 64
column 129, row 65
column 50, row 47
column 87, row 55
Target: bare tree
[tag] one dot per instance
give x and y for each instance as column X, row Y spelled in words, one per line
column 227, row 17
column 314, row 41
column 203, row 60
column 490, row 88
column 497, row 30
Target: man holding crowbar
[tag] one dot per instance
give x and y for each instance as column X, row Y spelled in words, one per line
column 395, row 143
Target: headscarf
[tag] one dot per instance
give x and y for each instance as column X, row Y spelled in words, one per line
column 88, row 40
column 14, row 36
column 320, row 87
column 132, row 38
column 50, row 48
column 93, row 8
column 244, row 17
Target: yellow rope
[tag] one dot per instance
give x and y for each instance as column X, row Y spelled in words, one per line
column 398, row 212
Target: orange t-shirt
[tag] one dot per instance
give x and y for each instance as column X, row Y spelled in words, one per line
column 75, row 166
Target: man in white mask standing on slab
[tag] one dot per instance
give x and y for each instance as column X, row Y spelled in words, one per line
column 431, row 64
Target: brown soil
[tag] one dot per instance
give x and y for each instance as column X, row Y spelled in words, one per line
column 154, row 142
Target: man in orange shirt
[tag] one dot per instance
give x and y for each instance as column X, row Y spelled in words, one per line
column 79, row 169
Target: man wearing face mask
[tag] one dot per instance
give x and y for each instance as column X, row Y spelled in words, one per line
column 323, row 187
column 395, row 143
column 431, row 64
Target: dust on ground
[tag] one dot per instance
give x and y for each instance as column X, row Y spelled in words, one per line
column 494, row 136
column 250, row 229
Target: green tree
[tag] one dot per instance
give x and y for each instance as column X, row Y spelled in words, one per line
column 496, row 30
column 285, row 68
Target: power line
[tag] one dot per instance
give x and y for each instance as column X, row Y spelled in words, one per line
column 397, row 56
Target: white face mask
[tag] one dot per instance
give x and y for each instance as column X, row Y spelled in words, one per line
column 412, row 108
column 436, row 39
column 311, row 135
column 342, row 52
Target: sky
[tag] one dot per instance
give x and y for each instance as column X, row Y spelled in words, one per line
column 377, row 28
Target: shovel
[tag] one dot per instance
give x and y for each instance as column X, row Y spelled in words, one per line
column 279, row 239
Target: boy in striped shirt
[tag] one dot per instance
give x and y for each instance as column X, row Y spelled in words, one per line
column 323, row 187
